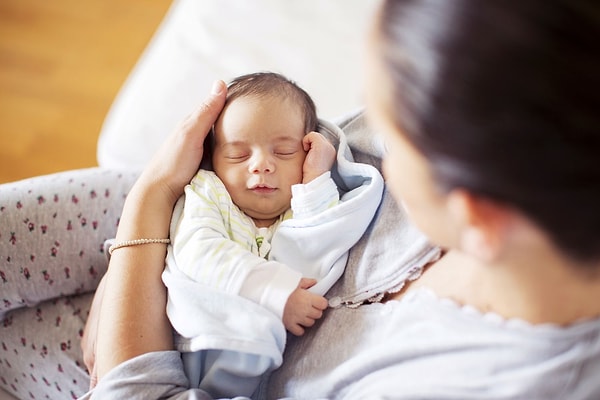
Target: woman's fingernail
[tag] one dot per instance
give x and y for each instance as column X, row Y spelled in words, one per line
column 217, row 87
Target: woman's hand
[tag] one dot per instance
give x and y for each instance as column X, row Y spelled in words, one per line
column 178, row 159
column 149, row 204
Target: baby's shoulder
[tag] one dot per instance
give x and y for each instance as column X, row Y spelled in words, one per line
column 205, row 178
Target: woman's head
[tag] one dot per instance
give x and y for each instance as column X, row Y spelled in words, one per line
column 501, row 97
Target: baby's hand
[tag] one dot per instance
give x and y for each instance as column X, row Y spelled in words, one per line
column 303, row 308
column 320, row 157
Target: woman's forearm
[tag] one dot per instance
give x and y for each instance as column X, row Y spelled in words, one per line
column 129, row 323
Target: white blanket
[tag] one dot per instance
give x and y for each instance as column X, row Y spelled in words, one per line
column 206, row 319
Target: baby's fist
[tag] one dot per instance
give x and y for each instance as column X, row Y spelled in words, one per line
column 319, row 158
column 303, row 308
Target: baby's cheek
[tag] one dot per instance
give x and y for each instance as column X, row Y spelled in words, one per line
column 299, row 164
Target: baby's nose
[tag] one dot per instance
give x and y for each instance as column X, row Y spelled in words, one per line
column 262, row 163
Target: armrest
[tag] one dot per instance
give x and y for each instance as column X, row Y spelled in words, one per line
column 52, row 230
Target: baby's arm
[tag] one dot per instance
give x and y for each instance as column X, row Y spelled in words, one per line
column 303, row 308
column 318, row 192
column 320, row 156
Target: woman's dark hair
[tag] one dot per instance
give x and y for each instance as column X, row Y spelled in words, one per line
column 503, row 98
column 266, row 84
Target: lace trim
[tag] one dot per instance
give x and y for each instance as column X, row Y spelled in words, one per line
column 413, row 273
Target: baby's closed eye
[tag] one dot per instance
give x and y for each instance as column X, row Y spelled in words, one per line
column 286, row 150
column 236, row 155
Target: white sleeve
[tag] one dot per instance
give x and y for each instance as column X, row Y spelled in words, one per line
column 314, row 197
column 270, row 284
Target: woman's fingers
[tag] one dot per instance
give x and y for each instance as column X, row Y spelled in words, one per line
column 178, row 159
column 88, row 340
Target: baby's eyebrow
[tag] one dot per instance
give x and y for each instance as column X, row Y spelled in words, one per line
column 277, row 139
column 234, row 143
column 286, row 139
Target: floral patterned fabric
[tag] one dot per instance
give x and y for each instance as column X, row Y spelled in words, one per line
column 52, row 256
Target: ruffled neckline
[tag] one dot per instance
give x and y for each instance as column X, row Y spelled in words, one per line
column 429, row 296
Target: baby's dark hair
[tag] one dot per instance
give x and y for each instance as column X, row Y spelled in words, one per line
column 503, row 98
column 264, row 84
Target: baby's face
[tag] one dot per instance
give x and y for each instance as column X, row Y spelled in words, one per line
column 259, row 154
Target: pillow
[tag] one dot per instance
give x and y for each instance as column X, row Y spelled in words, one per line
column 316, row 43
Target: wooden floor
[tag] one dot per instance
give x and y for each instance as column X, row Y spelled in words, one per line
column 61, row 64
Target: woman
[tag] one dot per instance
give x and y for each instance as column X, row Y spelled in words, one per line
column 489, row 113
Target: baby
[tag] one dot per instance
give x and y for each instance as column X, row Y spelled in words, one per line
column 270, row 167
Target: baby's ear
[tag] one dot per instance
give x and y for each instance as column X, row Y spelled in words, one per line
column 483, row 223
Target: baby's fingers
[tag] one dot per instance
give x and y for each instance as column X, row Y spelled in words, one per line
column 307, row 322
column 314, row 313
column 320, row 303
column 308, row 140
column 306, row 283
column 296, row 329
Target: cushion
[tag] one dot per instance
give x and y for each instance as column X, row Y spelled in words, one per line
column 318, row 44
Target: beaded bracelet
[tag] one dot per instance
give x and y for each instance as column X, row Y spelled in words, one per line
column 136, row 242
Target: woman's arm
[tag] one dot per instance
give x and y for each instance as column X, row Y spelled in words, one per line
column 132, row 319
